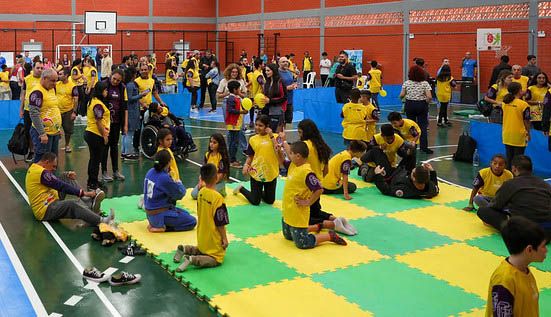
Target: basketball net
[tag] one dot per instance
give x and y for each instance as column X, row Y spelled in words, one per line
column 504, row 50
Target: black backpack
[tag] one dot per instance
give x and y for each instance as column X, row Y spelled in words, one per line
column 465, row 148
column 18, row 143
column 484, row 107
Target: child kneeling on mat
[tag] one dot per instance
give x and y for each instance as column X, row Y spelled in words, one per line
column 302, row 189
column 211, row 231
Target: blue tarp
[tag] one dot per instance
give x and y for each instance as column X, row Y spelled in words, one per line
column 490, row 142
column 319, row 105
column 179, row 104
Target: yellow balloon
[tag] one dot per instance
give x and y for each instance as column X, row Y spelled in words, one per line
column 259, row 100
column 247, row 104
column 382, row 92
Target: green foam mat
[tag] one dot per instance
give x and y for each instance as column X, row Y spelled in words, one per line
column 126, row 208
column 465, row 113
column 267, row 219
column 366, row 284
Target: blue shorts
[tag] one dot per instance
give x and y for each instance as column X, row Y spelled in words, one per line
column 176, row 218
column 300, row 236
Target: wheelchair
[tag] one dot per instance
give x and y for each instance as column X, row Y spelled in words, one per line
column 149, row 145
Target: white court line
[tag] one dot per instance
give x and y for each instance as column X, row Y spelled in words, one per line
column 23, row 277
column 62, row 245
column 193, row 162
column 73, row 300
column 207, row 128
column 441, row 146
column 441, row 179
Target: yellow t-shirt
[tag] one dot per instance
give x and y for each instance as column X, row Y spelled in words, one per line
column 173, row 166
column 30, row 83
column 265, row 164
column 143, row 85
column 307, row 65
column 353, row 123
column 444, row 90
column 49, row 111
column 338, row 165
column 65, row 94
column 405, row 130
column 514, row 131
column 195, row 80
column 75, row 71
column 521, row 285
column 257, row 86
column 4, row 76
column 391, row 150
column 213, row 159
column 293, row 214
column 500, row 93
column 292, row 69
column 523, row 80
column 360, row 83
column 313, row 160
column 169, row 79
column 375, row 81
column 537, row 94
column 490, row 181
column 151, row 69
column 40, row 196
column 105, row 120
column 371, row 126
column 209, row 240
column 91, row 74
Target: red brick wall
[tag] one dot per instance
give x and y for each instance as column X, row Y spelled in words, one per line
column 289, row 5
column 433, row 47
column 136, row 7
column 238, row 7
column 544, row 46
column 341, row 3
column 184, row 8
column 36, row 7
column 247, row 40
column 297, row 41
column 386, row 50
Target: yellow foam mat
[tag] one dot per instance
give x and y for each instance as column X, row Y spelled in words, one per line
column 464, row 266
column 160, row 242
column 231, row 200
column 343, row 208
column 477, row 312
column 324, row 257
column 447, row 221
column 298, row 297
column 449, row 194
column 359, row 183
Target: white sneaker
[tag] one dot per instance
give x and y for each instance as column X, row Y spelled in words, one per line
column 106, row 178
column 141, row 202
column 340, row 227
column 348, row 225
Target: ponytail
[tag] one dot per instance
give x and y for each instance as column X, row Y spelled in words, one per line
column 514, row 88
column 162, row 158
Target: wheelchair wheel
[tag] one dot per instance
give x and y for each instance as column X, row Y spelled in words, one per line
column 148, row 141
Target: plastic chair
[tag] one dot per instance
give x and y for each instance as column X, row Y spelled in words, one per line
column 310, row 80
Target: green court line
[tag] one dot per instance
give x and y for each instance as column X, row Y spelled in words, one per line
column 392, row 237
column 267, row 219
column 244, row 267
column 412, row 292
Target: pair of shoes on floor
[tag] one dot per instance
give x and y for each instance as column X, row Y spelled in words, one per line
column 106, row 178
column 178, row 257
column 122, row 278
column 132, row 249
column 130, row 157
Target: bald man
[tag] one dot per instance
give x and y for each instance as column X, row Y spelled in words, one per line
column 519, row 78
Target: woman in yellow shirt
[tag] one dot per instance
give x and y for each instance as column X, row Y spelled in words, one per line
column 496, row 93
column 262, row 164
column 516, row 122
column 444, row 84
column 5, row 83
column 535, row 95
column 97, row 132
column 171, row 78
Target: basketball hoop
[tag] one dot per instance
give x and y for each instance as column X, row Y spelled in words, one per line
column 503, row 51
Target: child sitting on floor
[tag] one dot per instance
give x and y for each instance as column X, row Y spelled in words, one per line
column 302, row 189
column 488, row 181
column 513, row 290
column 217, row 155
column 336, row 180
column 211, row 232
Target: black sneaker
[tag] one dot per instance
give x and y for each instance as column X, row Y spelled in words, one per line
column 124, row 278
column 95, row 275
column 212, row 111
column 29, row 157
column 131, row 249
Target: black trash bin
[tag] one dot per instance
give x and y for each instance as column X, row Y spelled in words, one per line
column 468, row 93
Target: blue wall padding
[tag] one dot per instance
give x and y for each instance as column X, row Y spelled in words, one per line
column 490, row 142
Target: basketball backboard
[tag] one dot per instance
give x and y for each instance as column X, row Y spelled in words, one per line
column 100, row 22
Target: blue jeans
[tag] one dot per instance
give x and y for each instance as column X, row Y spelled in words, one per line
column 176, row 218
column 300, row 236
column 41, row 148
column 233, row 144
column 220, row 187
column 481, row 201
column 126, row 145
